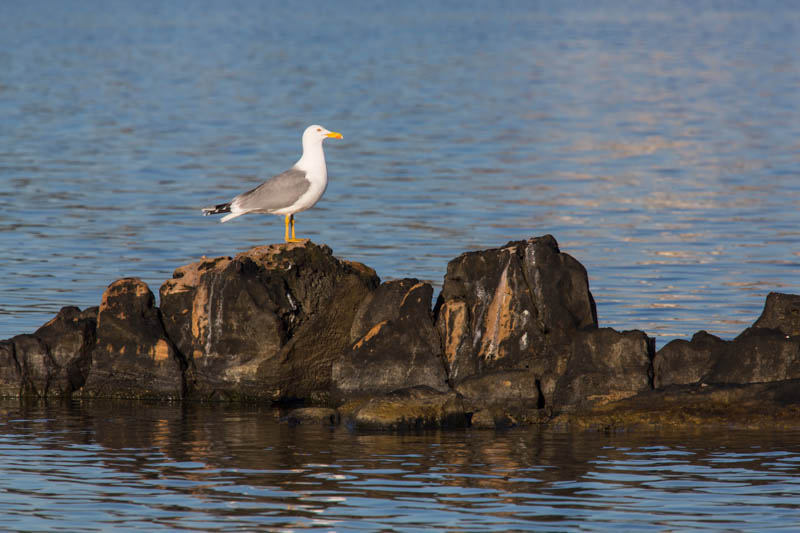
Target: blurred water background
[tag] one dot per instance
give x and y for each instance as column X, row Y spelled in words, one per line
column 659, row 142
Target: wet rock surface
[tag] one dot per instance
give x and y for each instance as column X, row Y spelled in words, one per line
column 407, row 409
column 35, row 364
column 509, row 416
column 512, row 340
column 501, row 388
column 526, row 307
column 313, row 415
column 756, row 405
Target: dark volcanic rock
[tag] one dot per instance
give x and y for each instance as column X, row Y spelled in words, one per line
column 605, row 365
column 395, row 344
column 508, row 416
column 503, row 399
column 266, row 324
column 133, row 357
column 682, row 362
column 35, row 365
column 407, row 409
column 10, row 371
column 53, row 361
column 768, row 351
column 514, row 341
column 498, row 307
column 313, row 415
column 503, row 388
column 781, row 312
column 757, row 355
column 70, row 338
column 755, row 405
column 527, row 307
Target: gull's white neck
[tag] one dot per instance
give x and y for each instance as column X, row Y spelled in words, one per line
column 313, row 158
column 313, row 163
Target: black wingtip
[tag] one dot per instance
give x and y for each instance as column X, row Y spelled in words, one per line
column 217, row 209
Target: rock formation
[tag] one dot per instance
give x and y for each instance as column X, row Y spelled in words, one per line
column 526, row 308
column 394, row 343
column 267, row 324
column 133, row 357
column 768, row 351
column 683, row 362
column 513, row 339
column 407, row 409
column 54, row 361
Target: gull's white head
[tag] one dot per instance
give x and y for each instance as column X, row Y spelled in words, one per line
column 317, row 133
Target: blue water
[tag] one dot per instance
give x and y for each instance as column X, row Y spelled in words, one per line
column 657, row 142
column 127, row 468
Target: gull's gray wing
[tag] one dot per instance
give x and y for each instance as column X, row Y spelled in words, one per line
column 277, row 192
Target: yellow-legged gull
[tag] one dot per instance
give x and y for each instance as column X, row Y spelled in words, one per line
column 290, row 192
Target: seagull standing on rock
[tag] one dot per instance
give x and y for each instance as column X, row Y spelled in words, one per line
column 290, row 192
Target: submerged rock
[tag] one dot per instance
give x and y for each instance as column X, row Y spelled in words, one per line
column 313, row 415
column 407, row 409
column 754, row 405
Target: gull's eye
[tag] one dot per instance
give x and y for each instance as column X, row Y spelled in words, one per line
column 319, row 129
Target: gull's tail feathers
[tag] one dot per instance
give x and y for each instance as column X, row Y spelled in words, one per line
column 217, row 209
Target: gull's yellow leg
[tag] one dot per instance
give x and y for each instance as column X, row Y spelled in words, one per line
column 290, row 222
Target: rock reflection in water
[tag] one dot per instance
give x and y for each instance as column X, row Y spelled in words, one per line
column 218, row 467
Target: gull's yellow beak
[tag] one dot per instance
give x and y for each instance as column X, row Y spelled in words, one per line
column 334, row 135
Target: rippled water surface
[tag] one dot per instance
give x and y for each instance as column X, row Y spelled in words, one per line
column 145, row 468
column 659, row 142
